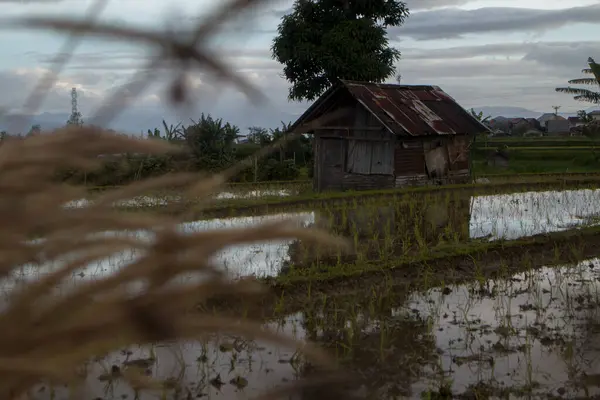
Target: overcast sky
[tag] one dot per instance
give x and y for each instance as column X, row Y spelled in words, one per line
column 482, row 52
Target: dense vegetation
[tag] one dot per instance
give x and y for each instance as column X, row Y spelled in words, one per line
column 212, row 145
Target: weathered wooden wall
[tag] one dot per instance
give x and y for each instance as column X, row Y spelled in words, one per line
column 355, row 152
column 409, row 162
column 366, row 150
column 418, row 161
column 459, row 154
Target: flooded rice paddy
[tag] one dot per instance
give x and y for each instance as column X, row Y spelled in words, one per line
column 514, row 215
column 534, row 335
column 154, row 201
column 389, row 231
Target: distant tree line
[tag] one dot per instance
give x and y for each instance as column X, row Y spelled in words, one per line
column 210, row 145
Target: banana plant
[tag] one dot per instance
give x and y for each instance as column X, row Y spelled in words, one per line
column 582, row 94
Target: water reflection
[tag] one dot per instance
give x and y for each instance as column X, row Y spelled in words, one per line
column 155, row 201
column 220, row 366
column 510, row 216
column 384, row 231
column 532, row 335
column 232, row 367
column 258, row 259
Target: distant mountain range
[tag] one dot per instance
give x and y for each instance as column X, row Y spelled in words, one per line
column 519, row 112
column 130, row 122
column 135, row 121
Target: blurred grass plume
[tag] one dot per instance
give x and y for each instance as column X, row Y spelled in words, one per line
column 48, row 336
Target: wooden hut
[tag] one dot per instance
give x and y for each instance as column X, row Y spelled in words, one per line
column 375, row 136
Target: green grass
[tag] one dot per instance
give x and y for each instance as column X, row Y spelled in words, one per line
column 563, row 149
column 444, row 256
column 537, row 156
column 536, row 166
column 547, row 141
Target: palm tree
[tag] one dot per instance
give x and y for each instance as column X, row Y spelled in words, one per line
column 585, row 94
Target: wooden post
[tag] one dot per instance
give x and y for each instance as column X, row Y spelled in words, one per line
column 255, row 169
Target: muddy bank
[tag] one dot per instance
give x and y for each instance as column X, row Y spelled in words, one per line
column 282, row 204
column 480, row 262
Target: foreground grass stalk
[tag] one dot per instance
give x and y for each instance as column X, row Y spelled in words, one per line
column 48, row 336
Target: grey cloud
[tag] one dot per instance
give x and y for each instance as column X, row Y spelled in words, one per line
column 497, row 49
column 212, row 96
column 90, row 58
column 86, row 78
column 239, row 58
column 571, row 56
column 454, row 23
column 467, row 70
column 17, row 86
column 431, row 4
column 517, row 74
column 29, row 1
column 510, row 73
column 566, row 56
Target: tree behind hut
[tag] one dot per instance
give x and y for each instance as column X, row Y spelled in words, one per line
column 322, row 41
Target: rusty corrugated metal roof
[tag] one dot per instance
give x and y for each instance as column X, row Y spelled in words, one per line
column 415, row 110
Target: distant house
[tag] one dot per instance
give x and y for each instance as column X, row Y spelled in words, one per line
column 513, row 126
column 384, row 136
column 499, row 123
column 545, row 118
column 558, row 126
column 534, row 124
column 554, row 124
column 575, row 122
column 595, row 115
column 518, row 126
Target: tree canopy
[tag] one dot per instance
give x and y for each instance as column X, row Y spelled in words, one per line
column 322, row 41
column 581, row 93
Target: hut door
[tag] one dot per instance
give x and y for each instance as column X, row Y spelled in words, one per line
column 332, row 164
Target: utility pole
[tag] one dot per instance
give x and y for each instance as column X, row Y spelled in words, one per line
column 74, row 101
column 75, row 118
column 556, row 108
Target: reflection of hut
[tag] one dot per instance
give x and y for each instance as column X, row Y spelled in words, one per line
column 383, row 136
column 386, row 346
column 428, row 214
column 392, row 227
